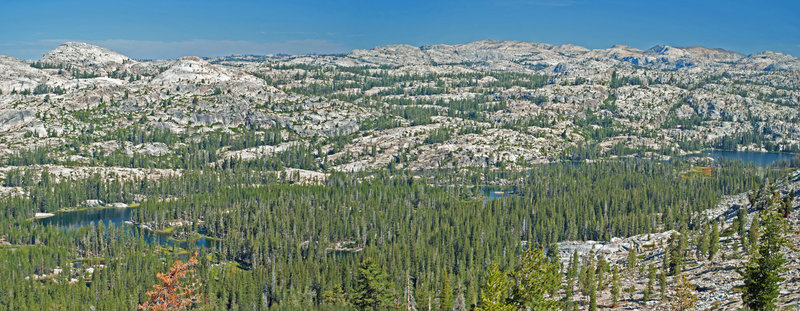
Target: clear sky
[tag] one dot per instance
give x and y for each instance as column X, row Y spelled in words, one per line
column 146, row 29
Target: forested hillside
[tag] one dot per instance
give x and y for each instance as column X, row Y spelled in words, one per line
column 284, row 244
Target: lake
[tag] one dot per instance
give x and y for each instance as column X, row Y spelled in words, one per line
column 760, row 159
column 118, row 216
column 495, row 192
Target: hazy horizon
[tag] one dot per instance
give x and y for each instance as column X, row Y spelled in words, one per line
column 157, row 30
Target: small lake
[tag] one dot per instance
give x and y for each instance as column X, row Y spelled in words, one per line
column 118, row 216
column 495, row 192
column 760, row 159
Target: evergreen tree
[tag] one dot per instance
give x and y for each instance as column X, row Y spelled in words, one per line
column 555, row 259
column 372, row 287
column 713, row 241
column 569, row 283
column 702, row 243
column 787, row 205
column 677, row 249
column 445, row 293
column 495, row 292
column 685, row 297
column 741, row 223
column 602, row 269
column 615, row 285
column 754, row 234
column 334, row 296
column 632, row 259
column 588, row 282
column 552, row 255
column 534, row 280
column 574, row 265
column 762, row 271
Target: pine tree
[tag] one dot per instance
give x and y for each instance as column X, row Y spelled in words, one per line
column 787, row 204
column 572, row 270
column 762, row 271
column 372, row 287
column 534, row 280
column 753, row 234
column 569, row 284
column 552, row 255
column 632, row 259
column 555, row 259
column 713, row 241
column 615, row 285
column 651, row 276
column 567, row 301
column 685, row 297
column 495, row 292
column 334, row 296
column 741, row 223
column 589, row 283
column 702, row 243
column 602, row 269
column 677, row 249
column 445, row 293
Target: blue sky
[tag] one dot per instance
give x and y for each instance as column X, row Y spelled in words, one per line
column 147, row 29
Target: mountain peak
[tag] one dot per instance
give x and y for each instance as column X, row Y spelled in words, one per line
column 83, row 54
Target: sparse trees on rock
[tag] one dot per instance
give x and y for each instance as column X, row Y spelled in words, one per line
column 615, row 285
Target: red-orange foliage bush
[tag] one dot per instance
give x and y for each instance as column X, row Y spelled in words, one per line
column 171, row 294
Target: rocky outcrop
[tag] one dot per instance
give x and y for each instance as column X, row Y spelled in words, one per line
column 11, row 119
column 86, row 57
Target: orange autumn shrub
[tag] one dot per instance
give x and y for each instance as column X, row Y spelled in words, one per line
column 172, row 294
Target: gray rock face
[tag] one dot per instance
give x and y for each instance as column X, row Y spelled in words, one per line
column 14, row 118
column 83, row 55
column 152, row 149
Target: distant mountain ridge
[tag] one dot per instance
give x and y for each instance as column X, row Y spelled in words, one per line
column 540, row 100
column 84, row 55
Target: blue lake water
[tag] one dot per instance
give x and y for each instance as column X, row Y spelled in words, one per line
column 761, row 159
column 117, row 216
column 494, row 192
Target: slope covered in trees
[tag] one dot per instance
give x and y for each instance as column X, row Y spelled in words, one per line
column 291, row 245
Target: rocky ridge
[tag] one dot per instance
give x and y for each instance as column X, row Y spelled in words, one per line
column 504, row 102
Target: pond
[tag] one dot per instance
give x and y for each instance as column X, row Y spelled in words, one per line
column 761, row 159
column 118, row 216
column 495, row 192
